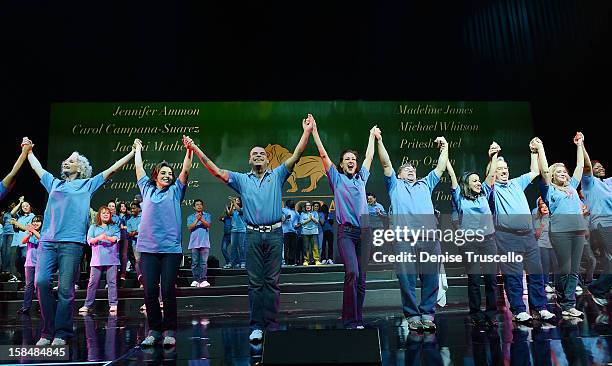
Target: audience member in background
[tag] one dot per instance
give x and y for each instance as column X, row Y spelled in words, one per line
column 31, row 240
column 124, row 244
column 103, row 237
column 226, row 241
column 18, row 248
column 132, row 231
column 290, row 218
column 198, row 224
column 550, row 267
column 309, row 220
column 327, row 249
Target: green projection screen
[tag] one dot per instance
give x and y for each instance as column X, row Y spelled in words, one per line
column 226, row 131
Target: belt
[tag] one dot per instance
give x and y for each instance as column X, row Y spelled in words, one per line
column 264, row 228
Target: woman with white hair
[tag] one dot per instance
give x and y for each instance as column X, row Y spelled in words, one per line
column 567, row 227
column 63, row 237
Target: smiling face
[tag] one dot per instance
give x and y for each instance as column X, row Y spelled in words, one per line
column 105, row 216
column 371, row 200
column 135, row 210
column 559, row 175
column 502, row 173
column 258, row 159
column 349, row 163
column 37, row 225
column 542, row 207
column 26, row 208
column 308, row 207
column 70, row 166
column 407, row 172
column 316, row 206
column 164, row 177
column 198, row 206
column 598, row 170
column 111, row 206
column 474, row 183
column 123, row 208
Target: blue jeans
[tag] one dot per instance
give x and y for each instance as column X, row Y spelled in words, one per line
column 94, row 281
column 226, row 246
column 355, row 254
column 428, row 273
column 199, row 259
column 601, row 286
column 238, row 252
column 65, row 257
column 513, row 271
column 29, row 287
column 549, row 264
column 263, row 265
column 5, row 252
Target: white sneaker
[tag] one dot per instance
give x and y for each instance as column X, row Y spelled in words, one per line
column 256, row 335
column 521, row 317
column 128, row 267
column 58, row 342
column 599, row 301
column 544, row 315
column 169, row 341
column 148, row 342
column 329, row 261
column 204, row 284
column 573, row 312
column 578, row 290
column 13, row 279
column 43, row 342
column 194, row 284
column 84, row 310
column 76, row 287
column 105, row 286
column 55, row 288
column 360, row 327
column 549, row 289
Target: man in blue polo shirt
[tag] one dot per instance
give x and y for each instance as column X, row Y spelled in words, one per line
column 413, row 208
column 261, row 191
column 597, row 191
column 514, row 233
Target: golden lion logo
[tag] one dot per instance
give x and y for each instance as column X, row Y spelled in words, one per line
column 307, row 166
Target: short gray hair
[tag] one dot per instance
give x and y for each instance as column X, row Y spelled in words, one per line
column 84, row 168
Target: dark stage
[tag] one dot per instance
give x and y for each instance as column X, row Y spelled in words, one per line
column 213, row 325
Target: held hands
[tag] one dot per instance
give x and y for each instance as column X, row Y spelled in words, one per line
column 579, row 139
column 21, row 199
column 137, row 146
column 26, row 145
column 533, row 145
column 188, row 142
column 442, row 143
column 308, row 123
column 494, row 149
column 376, row 132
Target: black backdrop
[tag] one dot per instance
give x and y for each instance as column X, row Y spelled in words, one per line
column 552, row 53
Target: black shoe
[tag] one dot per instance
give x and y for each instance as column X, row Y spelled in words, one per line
column 491, row 322
column 23, row 311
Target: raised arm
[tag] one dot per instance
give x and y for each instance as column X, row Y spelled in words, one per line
column 34, row 163
column 439, row 170
column 17, row 206
column 579, row 141
column 383, row 155
column 588, row 166
column 494, row 150
column 542, row 162
column 307, row 125
column 327, row 163
column 184, row 175
column 369, row 154
column 451, row 174
column 534, row 167
column 118, row 164
column 140, row 172
column 221, row 174
column 10, row 177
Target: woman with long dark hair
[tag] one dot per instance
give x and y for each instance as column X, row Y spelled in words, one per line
column 348, row 182
column 159, row 241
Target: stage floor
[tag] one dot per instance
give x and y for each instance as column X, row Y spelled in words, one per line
column 223, row 340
